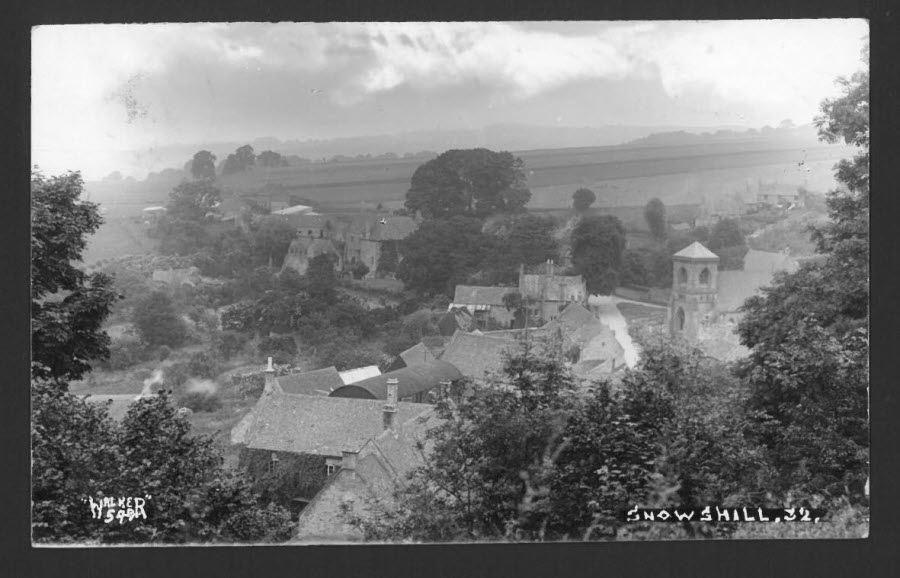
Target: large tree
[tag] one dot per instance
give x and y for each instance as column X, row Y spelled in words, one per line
column 809, row 331
column 598, row 243
column 655, row 215
column 193, row 200
column 443, row 253
column 240, row 160
column 68, row 306
column 582, row 199
column 271, row 159
column 203, row 165
column 473, row 182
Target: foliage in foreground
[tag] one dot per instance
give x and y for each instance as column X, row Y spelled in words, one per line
column 78, row 451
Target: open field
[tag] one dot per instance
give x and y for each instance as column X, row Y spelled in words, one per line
column 621, row 176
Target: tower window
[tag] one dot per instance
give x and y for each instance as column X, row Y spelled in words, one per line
column 682, row 276
column 704, row 276
column 679, row 319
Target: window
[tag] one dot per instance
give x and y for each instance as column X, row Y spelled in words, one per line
column 682, row 276
column 704, row 276
column 679, row 319
column 329, row 469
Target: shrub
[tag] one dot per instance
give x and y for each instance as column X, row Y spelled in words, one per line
column 125, row 353
column 201, row 401
column 281, row 348
column 228, row 343
column 163, row 352
column 202, row 364
column 175, row 375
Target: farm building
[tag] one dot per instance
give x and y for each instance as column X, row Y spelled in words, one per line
column 366, row 477
column 294, row 442
column 485, row 304
column 549, row 293
column 413, row 382
column 368, row 236
column 303, row 249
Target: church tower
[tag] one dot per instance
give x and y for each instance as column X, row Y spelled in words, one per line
column 694, row 290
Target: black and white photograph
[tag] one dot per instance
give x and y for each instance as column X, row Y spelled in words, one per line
column 305, row 283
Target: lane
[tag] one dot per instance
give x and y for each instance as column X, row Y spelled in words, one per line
column 613, row 318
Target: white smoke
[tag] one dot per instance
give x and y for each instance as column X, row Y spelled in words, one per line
column 206, row 386
column 156, row 378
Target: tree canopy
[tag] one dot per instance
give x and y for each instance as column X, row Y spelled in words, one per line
column 809, row 332
column 203, row 165
column 471, row 182
column 598, row 243
column 193, row 200
column 271, row 159
column 68, row 306
column 157, row 322
column 655, row 215
column 240, row 160
column 582, row 199
column 443, row 253
column 78, row 451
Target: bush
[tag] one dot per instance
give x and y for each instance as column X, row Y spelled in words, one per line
column 202, row 364
column 157, row 321
column 359, row 270
column 201, row 401
column 163, row 352
column 175, row 375
column 228, row 343
column 281, row 348
column 125, row 353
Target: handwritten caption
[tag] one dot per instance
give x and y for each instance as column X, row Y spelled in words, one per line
column 110, row 508
column 717, row 514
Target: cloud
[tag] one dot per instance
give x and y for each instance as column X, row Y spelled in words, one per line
column 101, row 90
column 429, row 56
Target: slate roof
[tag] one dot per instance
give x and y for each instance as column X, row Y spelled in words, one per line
column 359, row 374
column 475, row 295
column 411, row 380
column 321, row 425
column 696, row 250
column 318, row 382
column 418, row 353
column 382, row 465
column 475, row 354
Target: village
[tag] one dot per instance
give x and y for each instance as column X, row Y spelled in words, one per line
column 449, row 282
column 324, row 441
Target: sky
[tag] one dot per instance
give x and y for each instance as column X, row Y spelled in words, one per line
column 103, row 93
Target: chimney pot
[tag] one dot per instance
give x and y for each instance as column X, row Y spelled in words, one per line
column 348, row 460
column 390, row 404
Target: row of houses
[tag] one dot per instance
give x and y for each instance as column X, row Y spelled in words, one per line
column 544, row 292
column 351, row 239
column 330, row 444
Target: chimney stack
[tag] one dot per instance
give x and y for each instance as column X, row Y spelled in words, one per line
column 390, row 404
column 270, row 378
column 348, row 460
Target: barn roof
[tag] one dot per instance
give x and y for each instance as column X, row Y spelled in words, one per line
column 474, row 355
column 318, row 382
column 416, row 354
column 321, row 425
column 475, row 295
column 359, row 374
column 411, row 380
